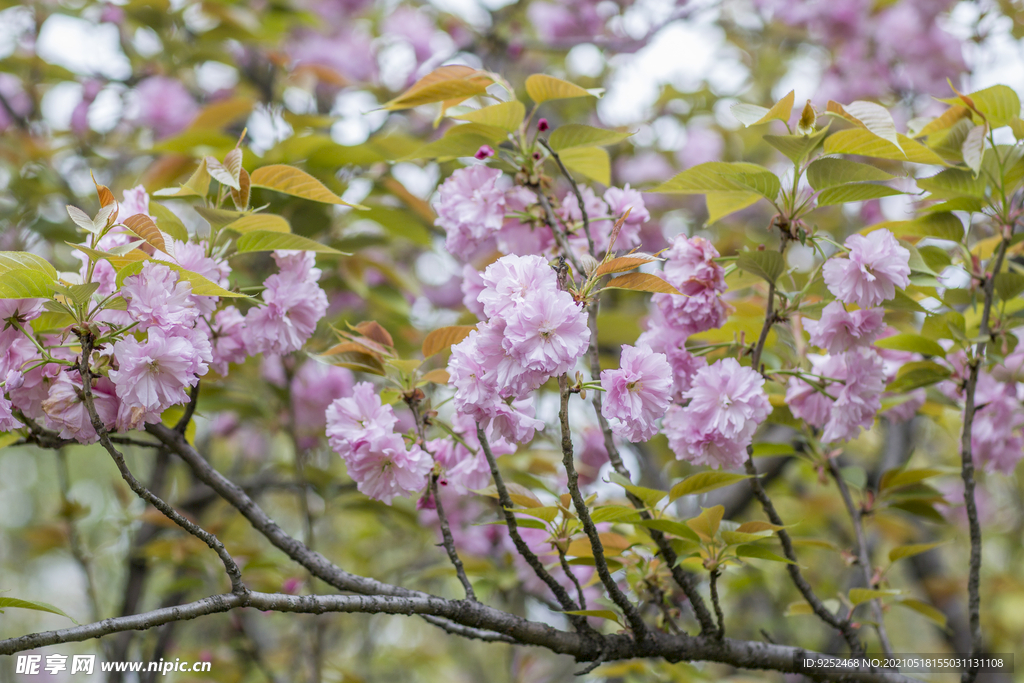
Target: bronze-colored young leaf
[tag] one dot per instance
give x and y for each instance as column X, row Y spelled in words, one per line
column 103, row 193
column 444, row 338
column 240, row 197
column 373, row 330
column 143, row 226
column 622, row 264
column 642, row 282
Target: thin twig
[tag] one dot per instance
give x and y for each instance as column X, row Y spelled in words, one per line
column 636, row 621
column 863, row 558
column 449, row 542
column 505, row 501
column 234, row 573
column 556, row 230
column 715, row 573
column 567, row 568
column 576, row 191
column 190, row 409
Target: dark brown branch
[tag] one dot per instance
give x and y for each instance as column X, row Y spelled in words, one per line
column 863, row 558
column 567, row 568
column 636, row 622
column 715, row 573
column 190, row 409
column 744, row 654
column 449, row 542
column 967, row 462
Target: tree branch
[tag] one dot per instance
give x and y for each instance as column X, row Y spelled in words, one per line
column 863, row 559
column 449, row 542
column 576, row 191
column 636, row 622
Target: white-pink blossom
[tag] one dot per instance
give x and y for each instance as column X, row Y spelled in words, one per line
column 637, row 393
column 876, row 266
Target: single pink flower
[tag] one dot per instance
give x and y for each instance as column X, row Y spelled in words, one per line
column 355, row 419
column 157, row 298
column 470, row 207
column 66, row 413
column 509, row 280
column 877, row 265
column 547, row 333
column 152, row 375
column 384, row 468
column 294, row 304
column 858, row 401
column 228, row 339
column 165, row 105
column 638, row 393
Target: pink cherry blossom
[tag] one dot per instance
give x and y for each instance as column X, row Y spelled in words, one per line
column 192, row 256
column 666, row 339
column 638, row 393
column 384, row 468
column 859, row 400
column 619, row 200
column 157, row 298
column 876, row 266
column 472, row 286
column 355, row 419
column 313, row 389
column 23, row 310
column 727, row 402
column 152, row 375
column 997, row 437
column 294, row 304
column 690, row 265
column 228, row 339
column 134, row 201
column 547, row 333
column 592, row 453
column 509, row 280
column 515, row 420
column 165, row 105
column 65, row 410
column 470, row 207
column 840, row 330
column 466, row 470
column 8, row 422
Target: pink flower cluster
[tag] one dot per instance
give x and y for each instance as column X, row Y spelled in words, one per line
column 294, row 304
column 727, row 403
column 361, row 430
column 465, row 465
column 841, row 410
column 534, row 331
column 690, row 267
column 638, row 393
column 470, row 208
column 601, row 215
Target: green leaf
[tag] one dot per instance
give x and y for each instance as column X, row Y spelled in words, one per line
column 741, row 537
column 712, row 176
column 22, row 283
column 830, row 171
column 861, row 595
column 703, row 482
column 797, row 147
column 721, row 204
column 542, row 88
column 82, row 294
column 167, row 222
column 898, row 478
column 1009, row 285
column 900, row 552
column 765, row 183
column 973, row 147
column 453, row 82
column 766, row 264
column 925, row 609
column 265, row 240
column 33, row 605
column 23, row 260
column 903, row 302
column 919, row 374
column 460, row 141
column 706, row 524
column 753, row 115
column 854, row 192
column 614, row 513
column 952, row 183
column 577, row 135
column 649, row 496
column 873, row 117
column 864, row 143
column 999, row 104
column 943, row 225
column 669, row 526
column 599, row 613
column 915, row 343
column 759, row 552
column 218, row 218
column 197, row 185
column 293, row 181
column 590, row 162
column 766, row 450
column 799, row 608
column 266, row 222
column 506, row 115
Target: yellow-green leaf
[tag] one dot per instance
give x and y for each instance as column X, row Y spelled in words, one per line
column 577, row 135
column 706, row 524
column 900, row 552
column 759, row 552
column 23, row 260
column 703, row 482
column 829, row 172
column 33, row 605
column 197, row 185
column 753, row 115
column 925, row 609
column 266, row 222
column 541, row 88
column 590, row 162
column 914, row 343
column 444, row 83
column 862, row 595
column 22, row 283
column 290, row 180
column 265, row 240
column 506, row 115
column 865, row 143
column 721, row 204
